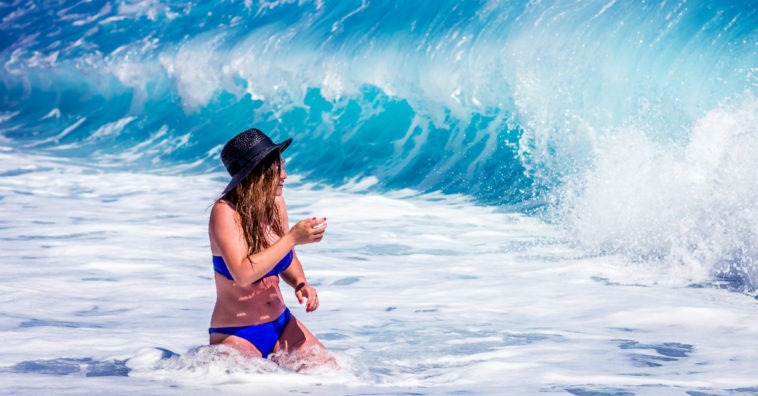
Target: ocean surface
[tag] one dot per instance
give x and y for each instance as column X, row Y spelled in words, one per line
column 524, row 197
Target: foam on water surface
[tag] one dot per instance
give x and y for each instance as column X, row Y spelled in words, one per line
column 108, row 288
column 628, row 126
column 690, row 208
column 628, row 123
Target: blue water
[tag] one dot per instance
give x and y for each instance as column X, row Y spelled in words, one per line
column 431, row 97
column 626, row 126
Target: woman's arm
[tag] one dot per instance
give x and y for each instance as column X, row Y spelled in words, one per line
column 226, row 234
column 294, row 275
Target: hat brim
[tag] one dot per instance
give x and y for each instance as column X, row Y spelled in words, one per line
column 253, row 162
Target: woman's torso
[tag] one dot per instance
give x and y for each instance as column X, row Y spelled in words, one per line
column 243, row 305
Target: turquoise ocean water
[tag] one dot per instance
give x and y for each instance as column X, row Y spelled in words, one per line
column 523, row 197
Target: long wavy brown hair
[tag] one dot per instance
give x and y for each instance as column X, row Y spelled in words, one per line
column 254, row 198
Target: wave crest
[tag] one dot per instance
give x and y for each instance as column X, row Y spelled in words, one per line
column 690, row 205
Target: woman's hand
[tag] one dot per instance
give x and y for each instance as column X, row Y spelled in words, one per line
column 308, row 231
column 304, row 290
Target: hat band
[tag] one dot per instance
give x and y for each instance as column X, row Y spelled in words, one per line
column 236, row 166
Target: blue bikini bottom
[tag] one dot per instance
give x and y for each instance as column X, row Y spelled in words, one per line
column 264, row 336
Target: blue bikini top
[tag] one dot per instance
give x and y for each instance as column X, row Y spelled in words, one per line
column 220, row 266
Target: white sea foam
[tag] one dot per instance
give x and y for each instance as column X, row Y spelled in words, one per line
column 196, row 67
column 110, row 129
column 109, row 273
column 691, row 208
column 149, row 8
column 7, row 115
column 57, row 138
column 106, row 272
column 56, row 112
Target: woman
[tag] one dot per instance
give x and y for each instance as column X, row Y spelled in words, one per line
column 252, row 248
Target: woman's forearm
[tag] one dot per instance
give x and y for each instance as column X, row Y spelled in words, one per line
column 294, row 275
column 257, row 265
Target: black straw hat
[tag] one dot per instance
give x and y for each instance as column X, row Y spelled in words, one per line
column 241, row 154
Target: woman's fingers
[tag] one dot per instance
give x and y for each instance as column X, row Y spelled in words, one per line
column 317, row 231
column 312, row 303
column 310, row 294
column 318, row 224
column 309, row 230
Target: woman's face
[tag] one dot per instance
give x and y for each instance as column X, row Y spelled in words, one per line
column 282, row 178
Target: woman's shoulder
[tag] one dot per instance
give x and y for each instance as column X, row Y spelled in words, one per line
column 223, row 208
